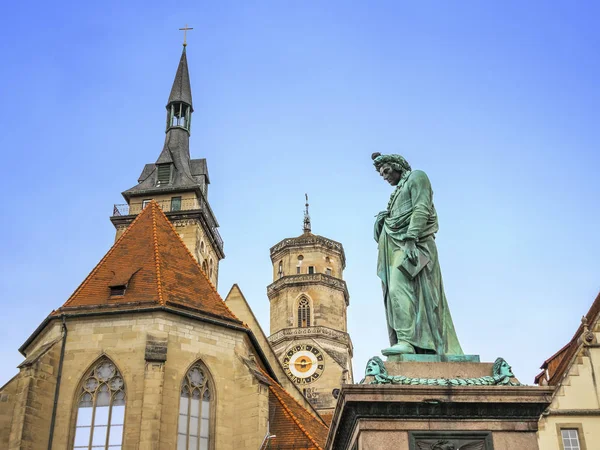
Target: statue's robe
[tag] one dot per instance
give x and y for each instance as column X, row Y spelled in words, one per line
column 416, row 309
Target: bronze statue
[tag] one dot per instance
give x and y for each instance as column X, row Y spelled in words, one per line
column 417, row 313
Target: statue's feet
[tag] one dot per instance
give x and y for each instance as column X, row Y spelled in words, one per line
column 401, row 348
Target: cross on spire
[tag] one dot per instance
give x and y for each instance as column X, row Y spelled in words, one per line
column 307, row 226
column 185, row 30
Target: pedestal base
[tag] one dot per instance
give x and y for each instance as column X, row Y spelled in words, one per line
column 417, row 417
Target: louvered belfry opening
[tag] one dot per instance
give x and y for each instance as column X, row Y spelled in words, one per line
column 303, row 313
column 163, row 174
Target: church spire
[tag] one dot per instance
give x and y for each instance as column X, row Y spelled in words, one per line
column 179, row 106
column 307, row 227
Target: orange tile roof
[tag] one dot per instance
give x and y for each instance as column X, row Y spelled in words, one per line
column 291, row 424
column 556, row 366
column 158, row 269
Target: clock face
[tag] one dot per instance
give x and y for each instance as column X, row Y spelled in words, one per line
column 304, row 363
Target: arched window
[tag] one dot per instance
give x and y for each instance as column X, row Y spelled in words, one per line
column 194, row 410
column 211, row 268
column 204, row 267
column 201, row 246
column 100, row 408
column 303, row 313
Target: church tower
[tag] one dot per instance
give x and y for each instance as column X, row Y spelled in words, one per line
column 309, row 301
column 177, row 183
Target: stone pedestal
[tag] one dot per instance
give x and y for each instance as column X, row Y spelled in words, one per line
column 422, row 417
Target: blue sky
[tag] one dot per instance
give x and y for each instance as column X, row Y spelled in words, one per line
column 497, row 102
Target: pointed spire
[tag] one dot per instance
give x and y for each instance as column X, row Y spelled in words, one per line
column 181, row 90
column 307, row 227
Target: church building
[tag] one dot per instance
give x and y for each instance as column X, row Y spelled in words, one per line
column 145, row 354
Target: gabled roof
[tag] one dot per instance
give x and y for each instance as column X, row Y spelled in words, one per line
column 181, row 90
column 554, row 368
column 157, row 268
column 291, row 424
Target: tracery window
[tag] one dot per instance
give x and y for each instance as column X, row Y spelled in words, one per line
column 194, row 410
column 101, row 409
column 303, row 313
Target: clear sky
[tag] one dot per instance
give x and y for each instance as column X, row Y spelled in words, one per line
column 497, row 101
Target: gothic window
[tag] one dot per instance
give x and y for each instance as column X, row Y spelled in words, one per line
column 210, row 268
column 303, row 313
column 204, row 267
column 202, row 246
column 100, row 409
column 193, row 432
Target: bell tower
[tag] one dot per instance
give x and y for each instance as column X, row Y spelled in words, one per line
column 309, row 301
column 178, row 183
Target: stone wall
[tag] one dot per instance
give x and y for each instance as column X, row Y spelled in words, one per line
column 152, row 387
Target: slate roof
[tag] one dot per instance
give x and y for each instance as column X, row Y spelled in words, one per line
column 291, row 424
column 153, row 262
column 187, row 173
column 554, row 368
column 181, row 90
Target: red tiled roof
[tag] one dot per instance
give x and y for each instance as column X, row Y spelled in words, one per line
column 158, row 269
column 291, row 424
column 555, row 367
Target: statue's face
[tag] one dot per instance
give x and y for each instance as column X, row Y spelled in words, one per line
column 390, row 175
column 506, row 370
column 373, row 368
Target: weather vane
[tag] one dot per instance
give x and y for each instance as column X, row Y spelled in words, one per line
column 185, row 30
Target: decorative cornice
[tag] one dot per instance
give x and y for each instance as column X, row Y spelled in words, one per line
column 393, row 403
column 308, row 240
column 311, row 332
column 306, row 280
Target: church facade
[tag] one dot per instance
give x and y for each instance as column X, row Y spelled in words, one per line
column 145, row 354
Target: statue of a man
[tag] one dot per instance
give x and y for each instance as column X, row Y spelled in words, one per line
column 417, row 313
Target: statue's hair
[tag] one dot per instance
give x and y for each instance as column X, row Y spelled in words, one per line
column 396, row 162
column 497, row 364
column 379, row 361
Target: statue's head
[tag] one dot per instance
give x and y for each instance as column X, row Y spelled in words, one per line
column 375, row 367
column 502, row 369
column 390, row 167
column 443, row 445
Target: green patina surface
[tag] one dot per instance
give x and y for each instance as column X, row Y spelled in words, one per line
column 501, row 375
column 433, row 358
column 418, row 317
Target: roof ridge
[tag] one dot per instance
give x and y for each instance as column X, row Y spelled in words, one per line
column 294, row 418
column 95, row 269
column 154, row 205
column 297, row 402
column 197, row 264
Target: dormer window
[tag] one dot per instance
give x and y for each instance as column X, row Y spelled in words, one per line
column 163, row 175
column 118, row 291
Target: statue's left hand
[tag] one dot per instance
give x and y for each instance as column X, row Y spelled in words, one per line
column 411, row 250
